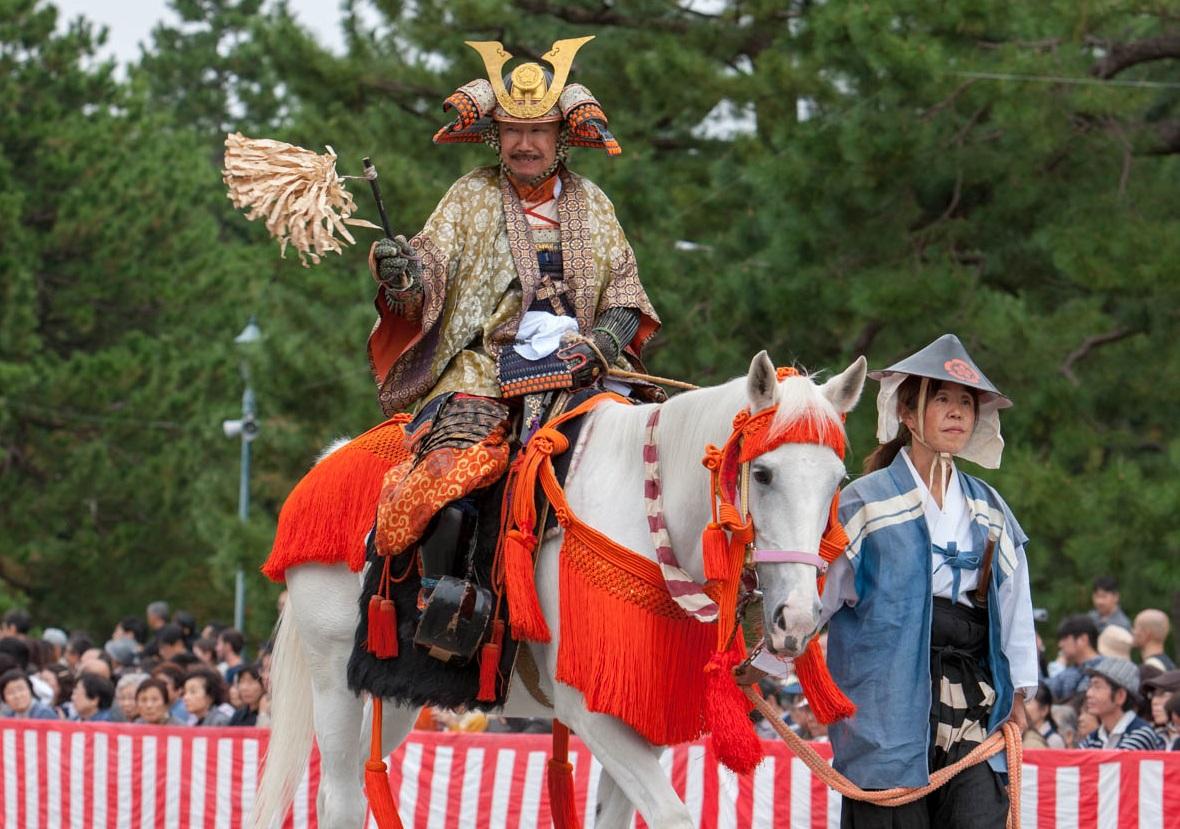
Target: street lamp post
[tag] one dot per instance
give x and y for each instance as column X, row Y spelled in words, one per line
column 246, row 429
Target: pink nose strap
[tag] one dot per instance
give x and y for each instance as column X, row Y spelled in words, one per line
column 790, row 557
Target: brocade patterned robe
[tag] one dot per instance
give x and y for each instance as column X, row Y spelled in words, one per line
column 480, row 270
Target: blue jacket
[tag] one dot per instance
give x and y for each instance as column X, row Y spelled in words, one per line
column 879, row 638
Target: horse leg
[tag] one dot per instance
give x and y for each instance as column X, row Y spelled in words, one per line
column 615, row 811
column 328, row 638
column 632, row 762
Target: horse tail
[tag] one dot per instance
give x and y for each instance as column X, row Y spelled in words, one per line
column 291, row 725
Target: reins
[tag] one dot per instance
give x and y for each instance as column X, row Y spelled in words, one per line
column 1006, row 739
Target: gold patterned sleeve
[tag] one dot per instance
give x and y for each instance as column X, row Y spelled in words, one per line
column 624, row 290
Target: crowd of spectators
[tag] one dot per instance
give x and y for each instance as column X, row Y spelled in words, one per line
column 1092, row 695
column 1097, row 695
column 157, row 670
column 163, row 670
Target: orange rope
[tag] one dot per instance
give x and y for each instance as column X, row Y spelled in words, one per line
column 1007, row 738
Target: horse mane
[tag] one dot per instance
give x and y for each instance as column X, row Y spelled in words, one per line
column 800, row 399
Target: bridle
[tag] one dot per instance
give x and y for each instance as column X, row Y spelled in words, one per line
column 729, row 469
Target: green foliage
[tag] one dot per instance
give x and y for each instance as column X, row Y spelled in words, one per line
column 884, row 196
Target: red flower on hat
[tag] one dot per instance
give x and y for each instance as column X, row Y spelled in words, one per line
column 961, row 370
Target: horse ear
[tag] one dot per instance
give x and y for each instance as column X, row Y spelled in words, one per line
column 761, row 382
column 843, row 390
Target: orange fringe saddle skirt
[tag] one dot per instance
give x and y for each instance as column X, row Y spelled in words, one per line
column 628, row 647
column 330, row 511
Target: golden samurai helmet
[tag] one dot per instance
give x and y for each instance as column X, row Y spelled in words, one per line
column 530, row 93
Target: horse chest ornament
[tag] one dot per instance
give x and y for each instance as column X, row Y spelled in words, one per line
column 653, row 614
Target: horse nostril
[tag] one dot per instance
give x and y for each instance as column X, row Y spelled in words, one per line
column 790, row 643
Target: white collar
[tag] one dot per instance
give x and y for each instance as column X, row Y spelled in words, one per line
column 953, row 499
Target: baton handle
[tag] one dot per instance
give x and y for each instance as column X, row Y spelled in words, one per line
column 371, row 175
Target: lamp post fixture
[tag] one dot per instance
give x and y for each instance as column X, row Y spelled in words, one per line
column 246, row 429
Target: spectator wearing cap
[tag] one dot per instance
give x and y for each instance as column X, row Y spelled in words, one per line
column 92, row 698
column 1115, row 641
column 123, row 653
column 1105, row 599
column 1160, row 690
column 1110, row 697
column 19, row 701
column 1077, row 643
column 1150, row 631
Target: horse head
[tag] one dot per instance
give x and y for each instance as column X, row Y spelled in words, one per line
column 791, row 487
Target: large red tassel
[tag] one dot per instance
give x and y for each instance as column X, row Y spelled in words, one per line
column 727, row 714
column 377, row 779
column 563, row 804
column 489, row 664
column 715, row 550
column 827, row 701
column 524, row 610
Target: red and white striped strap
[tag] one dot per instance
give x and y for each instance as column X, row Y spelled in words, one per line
column 689, row 595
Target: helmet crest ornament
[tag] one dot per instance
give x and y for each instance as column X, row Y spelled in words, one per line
column 529, row 98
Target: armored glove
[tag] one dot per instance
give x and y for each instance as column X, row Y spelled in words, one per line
column 613, row 330
column 398, row 269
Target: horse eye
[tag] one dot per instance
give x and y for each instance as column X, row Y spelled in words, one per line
column 763, row 476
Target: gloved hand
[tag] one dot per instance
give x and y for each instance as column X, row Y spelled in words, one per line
column 584, row 362
column 398, row 265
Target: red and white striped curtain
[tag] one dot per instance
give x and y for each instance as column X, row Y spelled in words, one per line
column 56, row 775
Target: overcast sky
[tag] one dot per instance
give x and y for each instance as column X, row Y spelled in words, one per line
column 130, row 22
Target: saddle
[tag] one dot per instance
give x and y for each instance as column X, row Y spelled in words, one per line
column 434, row 617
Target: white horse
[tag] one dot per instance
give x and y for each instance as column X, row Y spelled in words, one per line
column 790, row 492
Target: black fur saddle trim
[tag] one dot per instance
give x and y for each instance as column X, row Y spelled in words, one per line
column 413, row 677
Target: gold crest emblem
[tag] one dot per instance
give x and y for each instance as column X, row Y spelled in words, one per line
column 529, row 97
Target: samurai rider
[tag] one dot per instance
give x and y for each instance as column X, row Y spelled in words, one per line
column 520, row 283
column 931, row 631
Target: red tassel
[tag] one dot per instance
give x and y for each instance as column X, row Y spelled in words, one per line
column 382, row 640
column 715, row 546
column 380, row 797
column 489, row 664
column 524, row 610
column 727, row 713
column 377, row 790
column 374, row 623
column 827, row 701
column 563, row 805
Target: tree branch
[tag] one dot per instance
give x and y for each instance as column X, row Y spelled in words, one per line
column 864, row 340
column 604, row 15
column 1088, row 345
column 1120, row 56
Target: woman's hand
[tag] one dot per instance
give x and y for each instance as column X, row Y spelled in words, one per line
column 1019, row 715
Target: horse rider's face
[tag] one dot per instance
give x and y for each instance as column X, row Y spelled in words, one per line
column 528, row 149
column 950, row 418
